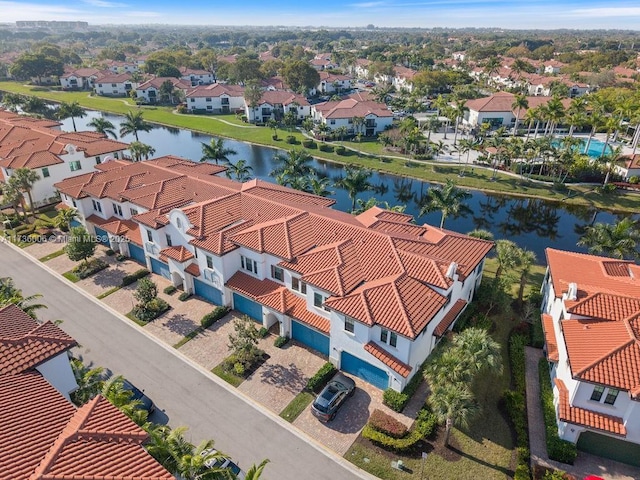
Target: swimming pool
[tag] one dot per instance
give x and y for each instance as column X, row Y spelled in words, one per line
column 595, row 147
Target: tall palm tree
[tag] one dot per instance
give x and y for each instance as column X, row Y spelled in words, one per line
column 12, row 101
column 458, row 110
column 139, row 150
column 481, row 234
column 358, row 123
column 555, row 113
column 519, row 102
column 25, row 179
column 296, row 164
column 525, row 260
column 134, row 122
column 619, row 240
column 241, row 170
column 90, row 381
column 114, row 391
column 610, row 161
column 13, row 196
column 478, row 350
column 354, row 182
column 453, row 404
column 319, row 186
column 255, row 472
column 10, row 294
column 103, row 126
column 64, row 218
column 431, row 126
column 216, row 150
column 449, row 199
column 71, row 110
column 507, row 256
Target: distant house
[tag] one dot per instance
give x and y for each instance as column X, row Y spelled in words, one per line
column 361, row 68
column 196, row 76
column 215, row 98
column 115, row 85
column 115, row 66
column 80, row 78
column 149, row 91
column 629, row 167
column 274, row 104
column 332, row 83
column 322, row 62
column 403, row 78
column 335, row 114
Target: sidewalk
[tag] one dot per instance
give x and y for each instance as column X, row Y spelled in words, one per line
column 585, row 464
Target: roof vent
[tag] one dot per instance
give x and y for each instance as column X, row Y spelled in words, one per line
column 572, row 293
column 451, row 271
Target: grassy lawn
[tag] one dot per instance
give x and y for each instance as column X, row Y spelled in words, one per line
column 296, row 406
column 46, row 258
column 228, row 377
column 189, row 336
column 480, row 179
column 72, row 277
column 135, row 319
column 108, row 292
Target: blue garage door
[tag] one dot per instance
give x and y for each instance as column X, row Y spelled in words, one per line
column 160, row 268
column 137, row 253
column 310, row 337
column 248, row 307
column 75, row 223
column 208, row 292
column 374, row 375
column 102, row 236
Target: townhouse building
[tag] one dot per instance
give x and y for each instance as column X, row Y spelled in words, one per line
column 372, row 117
column 196, row 76
column 591, row 321
column 150, row 91
column 115, row 85
column 274, row 104
column 80, row 78
column 374, row 293
column 215, row 98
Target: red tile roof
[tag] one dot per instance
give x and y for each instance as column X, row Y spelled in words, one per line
column 550, row 337
column 193, row 269
column 388, row 359
column 351, row 107
column 502, row 101
column 250, row 286
column 216, row 90
column 587, row 418
column 178, row 253
column 25, row 344
column 449, row 318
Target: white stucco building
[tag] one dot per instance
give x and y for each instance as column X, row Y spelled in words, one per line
column 215, row 98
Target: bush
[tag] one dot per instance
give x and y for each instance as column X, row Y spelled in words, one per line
column 120, row 257
column 212, row 317
column 386, row 424
column 395, row 400
column 281, row 341
column 424, row 426
column 322, row 376
column 151, row 310
column 88, row 269
column 325, row 148
column 291, row 140
column 238, row 369
column 274, row 137
column 134, row 277
column 109, row 252
column 340, row 150
column 557, row 449
column 184, row 296
column 634, row 179
column 263, row 332
column 170, row 290
column 308, row 143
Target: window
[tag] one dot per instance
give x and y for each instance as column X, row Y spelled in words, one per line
column 596, row 395
column 179, row 223
column 298, row 286
column 209, row 107
column 318, row 301
column 133, row 211
column 98, row 160
column 96, row 206
column 45, row 172
column 192, row 100
column 612, row 394
column 249, row 264
column 75, row 165
column 332, row 121
column 117, row 209
column 209, row 261
column 277, row 273
column 207, row 99
column 393, row 339
column 169, row 244
column 73, row 200
column 384, row 335
column 349, row 324
column 149, row 236
column 388, row 337
column 114, row 85
column 448, row 299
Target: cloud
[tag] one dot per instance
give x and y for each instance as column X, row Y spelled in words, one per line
column 367, row 4
column 608, row 12
column 104, row 4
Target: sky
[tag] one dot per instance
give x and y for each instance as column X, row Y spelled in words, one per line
column 511, row 14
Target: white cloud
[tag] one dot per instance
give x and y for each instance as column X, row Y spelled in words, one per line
column 104, row 4
column 607, row 12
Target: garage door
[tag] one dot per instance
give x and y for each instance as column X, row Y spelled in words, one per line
column 608, row 447
column 248, row 307
column 310, row 337
column 374, row 375
column 75, row 223
column 137, row 253
column 102, row 236
column 160, row 268
column 208, row 292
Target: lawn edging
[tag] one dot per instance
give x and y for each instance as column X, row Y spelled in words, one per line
column 52, row 255
column 296, row 406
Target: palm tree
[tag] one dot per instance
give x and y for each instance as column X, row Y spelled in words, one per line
column 114, row 391
column 342, row 132
column 431, row 126
column 478, row 350
column 64, row 218
column 12, row 101
column 610, row 161
column 466, row 145
column 295, row 164
column 481, row 234
column 103, row 126
column 215, row 150
column 12, row 195
column 241, row 170
column 449, row 199
column 519, row 102
column 555, row 113
column 618, row 241
column 507, row 256
column 354, row 182
column 453, row 404
column 134, row 122
column 319, row 186
column 255, row 471
column 525, row 260
column 273, row 125
column 25, row 178
column 71, row 110
column 90, row 382
column 358, row 123
column 458, row 110
column 10, row 294
column 139, row 150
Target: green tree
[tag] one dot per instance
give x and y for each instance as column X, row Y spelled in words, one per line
column 12, row 101
column 25, row 179
column 121, row 398
column 139, row 150
column 103, row 126
column 519, row 102
column 36, row 106
column 167, row 91
column 71, row 110
column 81, row 245
column 255, row 472
column 481, row 234
column 619, row 240
column 507, row 253
column 448, row 199
column 11, row 295
column 134, row 122
column 64, row 218
column 241, row 170
column 319, row 186
column 454, row 405
column 146, row 291
column 295, row 165
column 243, row 341
column 354, row 182
column 526, row 259
column 36, row 65
column 13, row 195
column 216, row 150
column 478, row 351
column 90, row 382
column 300, row 76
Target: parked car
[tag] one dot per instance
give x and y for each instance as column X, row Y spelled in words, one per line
column 145, row 402
column 223, row 463
column 326, row 405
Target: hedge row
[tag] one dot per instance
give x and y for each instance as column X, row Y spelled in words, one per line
column 557, row 449
column 320, row 379
column 281, row 341
column 424, row 426
column 212, row 317
column 385, row 423
column 134, row 277
column 395, row 400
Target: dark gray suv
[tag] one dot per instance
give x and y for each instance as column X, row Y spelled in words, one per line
column 331, row 398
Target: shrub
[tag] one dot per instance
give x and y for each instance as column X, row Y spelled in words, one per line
column 308, row 143
column 238, row 369
column 386, row 424
column 281, row 341
column 85, row 270
column 322, row 376
column 291, row 139
column 134, row 277
column 184, row 296
column 340, row 150
column 146, row 291
column 151, row 310
column 424, row 426
column 109, row 252
column 170, row 290
column 212, row 317
column 634, row 179
column 274, row 137
column 325, row 148
column 395, row 400
column 263, row 332
column 557, row 449
column 120, row 257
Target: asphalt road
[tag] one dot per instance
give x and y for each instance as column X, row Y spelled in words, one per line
column 184, row 392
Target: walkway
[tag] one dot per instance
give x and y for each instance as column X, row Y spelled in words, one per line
column 585, row 464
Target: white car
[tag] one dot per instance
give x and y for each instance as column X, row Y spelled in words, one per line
column 222, row 462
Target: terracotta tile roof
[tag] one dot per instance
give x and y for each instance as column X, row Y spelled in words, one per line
column 193, row 269
column 388, row 359
column 156, row 83
column 287, row 302
column 25, row 344
column 99, row 221
column 550, row 337
column 250, row 286
column 124, row 228
column 587, row 418
column 351, row 107
column 178, row 253
column 216, row 90
column 449, row 318
column 502, row 101
column 605, row 306
column 282, row 97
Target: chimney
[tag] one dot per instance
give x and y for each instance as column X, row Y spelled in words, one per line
column 572, row 293
column 451, row 271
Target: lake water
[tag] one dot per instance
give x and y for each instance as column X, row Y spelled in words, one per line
column 531, row 223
